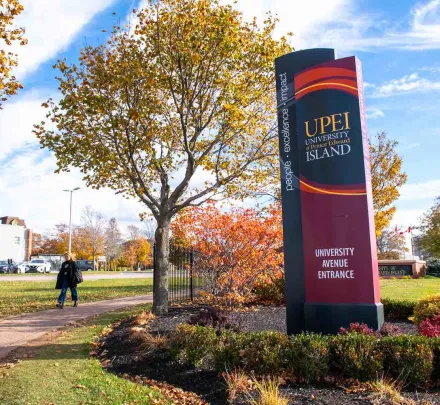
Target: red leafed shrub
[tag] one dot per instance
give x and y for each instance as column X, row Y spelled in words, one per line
column 360, row 328
column 237, row 250
column 430, row 327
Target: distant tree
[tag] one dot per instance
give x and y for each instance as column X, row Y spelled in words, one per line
column 190, row 89
column 429, row 240
column 92, row 231
column 149, row 228
column 390, row 245
column 113, row 242
column 386, row 178
column 134, row 232
column 136, row 252
column 9, row 34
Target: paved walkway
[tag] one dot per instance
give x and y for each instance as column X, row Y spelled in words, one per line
column 86, row 276
column 18, row 330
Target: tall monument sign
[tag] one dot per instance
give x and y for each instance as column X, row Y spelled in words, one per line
column 331, row 265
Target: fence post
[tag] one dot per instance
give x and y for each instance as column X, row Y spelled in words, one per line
column 191, row 264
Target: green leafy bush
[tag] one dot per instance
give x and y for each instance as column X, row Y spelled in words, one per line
column 427, row 307
column 194, row 344
column 308, row 356
column 229, row 351
column 394, row 309
column 433, row 266
column 264, row 352
column 356, row 356
column 436, row 363
column 408, row 358
column 270, row 293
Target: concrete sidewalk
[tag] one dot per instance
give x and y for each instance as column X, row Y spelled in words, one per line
column 18, row 330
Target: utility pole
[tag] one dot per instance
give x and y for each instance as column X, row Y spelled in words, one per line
column 70, row 219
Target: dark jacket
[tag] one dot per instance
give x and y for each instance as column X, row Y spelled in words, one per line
column 71, row 271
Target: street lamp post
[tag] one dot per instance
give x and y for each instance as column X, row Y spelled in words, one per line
column 70, row 219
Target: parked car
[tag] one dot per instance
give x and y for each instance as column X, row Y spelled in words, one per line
column 22, row 267
column 38, row 265
column 85, row 265
column 6, row 267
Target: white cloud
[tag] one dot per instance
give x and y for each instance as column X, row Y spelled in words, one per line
column 17, row 119
column 374, row 113
column 412, row 83
column 419, row 191
column 50, row 27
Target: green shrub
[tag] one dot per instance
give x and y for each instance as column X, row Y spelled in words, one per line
column 427, row 308
column 356, row 356
column 436, row 363
column 394, row 309
column 264, row 352
column 433, row 266
column 308, row 356
column 229, row 351
column 270, row 293
column 194, row 344
column 408, row 358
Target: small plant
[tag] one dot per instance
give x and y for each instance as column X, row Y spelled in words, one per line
column 237, row 382
column 146, row 341
column 308, row 356
column 194, row 344
column 388, row 329
column 427, row 308
column 388, row 392
column 215, row 318
column 357, row 356
column 263, row 352
column 356, row 327
column 408, row 358
column 268, row 393
column 430, row 327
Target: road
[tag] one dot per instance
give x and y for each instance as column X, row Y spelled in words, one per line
column 86, row 276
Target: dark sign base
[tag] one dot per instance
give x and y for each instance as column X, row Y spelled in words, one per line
column 328, row 318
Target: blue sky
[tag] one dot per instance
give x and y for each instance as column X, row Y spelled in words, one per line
column 398, row 43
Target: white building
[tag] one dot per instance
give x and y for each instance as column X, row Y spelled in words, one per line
column 15, row 239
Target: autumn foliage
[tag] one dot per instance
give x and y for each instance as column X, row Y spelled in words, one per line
column 9, row 9
column 235, row 250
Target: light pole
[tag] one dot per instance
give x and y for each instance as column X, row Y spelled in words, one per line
column 70, row 219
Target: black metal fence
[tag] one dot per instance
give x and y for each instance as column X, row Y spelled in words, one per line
column 183, row 282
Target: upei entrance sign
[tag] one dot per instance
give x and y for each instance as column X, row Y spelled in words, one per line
column 329, row 239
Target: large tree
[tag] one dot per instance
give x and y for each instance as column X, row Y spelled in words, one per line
column 386, row 178
column 189, row 89
column 9, row 34
column 429, row 240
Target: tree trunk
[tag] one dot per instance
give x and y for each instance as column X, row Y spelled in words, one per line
column 160, row 277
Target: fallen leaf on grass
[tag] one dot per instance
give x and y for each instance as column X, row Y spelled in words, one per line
column 83, row 387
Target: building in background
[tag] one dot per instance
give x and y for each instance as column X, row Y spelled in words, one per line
column 15, row 239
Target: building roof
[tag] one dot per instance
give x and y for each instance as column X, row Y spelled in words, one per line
column 12, row 221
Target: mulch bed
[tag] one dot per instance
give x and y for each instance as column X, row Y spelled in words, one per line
column 121, row 355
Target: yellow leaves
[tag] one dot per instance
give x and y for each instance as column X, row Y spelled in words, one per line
column 9, row 9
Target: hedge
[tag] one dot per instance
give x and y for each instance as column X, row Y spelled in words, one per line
column 394, row 309
column 310, row 357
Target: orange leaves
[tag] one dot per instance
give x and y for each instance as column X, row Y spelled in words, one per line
column 237, row 248
column 9, row 9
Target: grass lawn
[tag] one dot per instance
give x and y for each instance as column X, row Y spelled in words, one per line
column 61, row 373
column 17, row 297
column 409, row 290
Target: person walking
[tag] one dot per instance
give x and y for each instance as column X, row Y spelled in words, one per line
column 69, row 276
